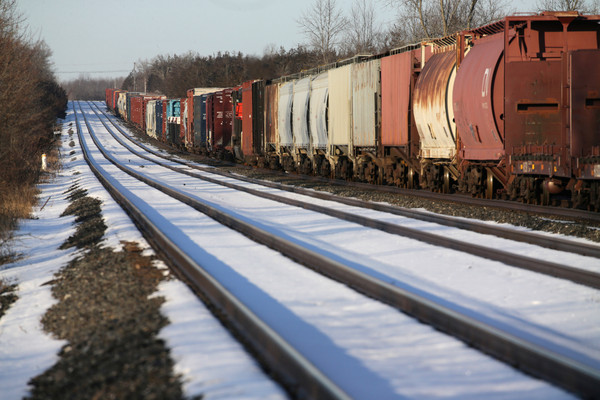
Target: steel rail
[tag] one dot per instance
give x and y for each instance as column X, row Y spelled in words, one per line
column 532, row 358
column 577, row 275
column 297, row 373
column 585, row 249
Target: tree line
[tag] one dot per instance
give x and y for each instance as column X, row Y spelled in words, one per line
column 329, row 34
column 30, row 102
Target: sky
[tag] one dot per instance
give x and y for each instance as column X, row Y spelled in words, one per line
column 105, row 38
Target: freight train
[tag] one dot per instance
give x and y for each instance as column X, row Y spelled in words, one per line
column 509, row 110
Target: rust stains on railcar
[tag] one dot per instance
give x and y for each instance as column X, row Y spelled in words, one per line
column 545, row 101
column 271, row 115
column 432, row 105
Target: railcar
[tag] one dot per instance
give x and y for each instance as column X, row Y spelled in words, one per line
column 399, row 145
column 219, row 122
column 505, row 110
column 528, row 110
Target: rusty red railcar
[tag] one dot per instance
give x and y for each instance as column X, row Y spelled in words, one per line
column 271, row 124
column 434, row 116
column 109, row 98
column 478, row 101
column 191, row 119
column 524, row 110
column 136, row 113
column 183, row 122
column 220, row 119
column 399, row 136
column 252, row 118
column 552, row 105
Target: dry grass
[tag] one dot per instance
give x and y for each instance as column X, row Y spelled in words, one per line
column 15, row 203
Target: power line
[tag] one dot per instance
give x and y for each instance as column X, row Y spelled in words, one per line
column 92, row 72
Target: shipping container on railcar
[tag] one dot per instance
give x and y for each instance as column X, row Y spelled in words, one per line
column 136, row 113
column 552, row 106
column 317, row 118
column 145, row 102
column 173, row 121
column 253, row 114
column 165, row 119
column 114, row 99
column 128, row 105
column 151, row 119
column 159, row 116
column 399, row 136
column 138, row 109
column 183, row 123
column 122, row 105
column 109, row 98
column 434, row 116
column 193, row 95
column 220, row 121
column 199, row 126
column 236, row 127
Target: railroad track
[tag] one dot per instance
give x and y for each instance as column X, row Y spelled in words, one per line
column 584, row 277
column 533, row 358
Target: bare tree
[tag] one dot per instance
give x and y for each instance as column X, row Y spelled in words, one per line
column 362, row 36
column 323, row 24
column 424, row 19
column 583, row 6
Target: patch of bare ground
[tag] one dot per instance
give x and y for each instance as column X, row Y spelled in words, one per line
column 7, row 296
column 108, row 318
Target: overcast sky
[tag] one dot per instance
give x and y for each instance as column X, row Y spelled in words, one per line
column 108, row 36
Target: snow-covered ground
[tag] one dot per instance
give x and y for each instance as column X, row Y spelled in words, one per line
column 368, row 348
column 211, row 362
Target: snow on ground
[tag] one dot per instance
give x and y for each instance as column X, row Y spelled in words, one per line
column 211, row 362
column 367, row 347
column 521, row 302
column 381, row 350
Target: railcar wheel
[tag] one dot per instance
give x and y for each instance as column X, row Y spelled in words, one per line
column 411, row 178
column 545, row 196
column 489, row 188
column 446, row 187
column 306, row 166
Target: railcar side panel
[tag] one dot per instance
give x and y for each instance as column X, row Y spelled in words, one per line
column 318, row 103
column 479, row 100
column 286, row 98
column 247, row 116
column 365, row 103
column 258, row 117
column 340, row 106
column 199, row 125
column 151, row 119
column 432, row 106
column 585, row 113
column 300, row 112
column 396, row 77
column 271, row 116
